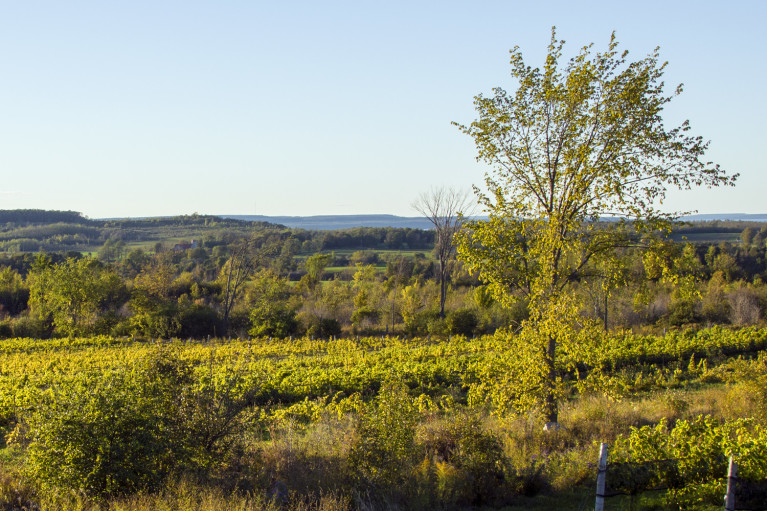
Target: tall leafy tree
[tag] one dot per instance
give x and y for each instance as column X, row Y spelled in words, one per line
column 315, row 264
column 572, row 144
column 74, row 294
column 274, row 310
column 155, row 310
column 366, row 311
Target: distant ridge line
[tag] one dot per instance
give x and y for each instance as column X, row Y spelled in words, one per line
column 734, row 217
column 333, row 222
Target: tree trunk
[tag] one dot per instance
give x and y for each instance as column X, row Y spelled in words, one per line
column 442, row 287
column 550, row 409
column 225, row 321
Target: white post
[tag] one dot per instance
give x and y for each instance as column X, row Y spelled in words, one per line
column 600, row 503
column 732, row 476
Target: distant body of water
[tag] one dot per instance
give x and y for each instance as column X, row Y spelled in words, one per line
column 733, row 217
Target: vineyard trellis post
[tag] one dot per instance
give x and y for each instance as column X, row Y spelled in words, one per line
column 732, row 474
column 600, row 502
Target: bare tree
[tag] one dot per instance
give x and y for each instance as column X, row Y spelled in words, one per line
column 235, row 272
column 445, row 208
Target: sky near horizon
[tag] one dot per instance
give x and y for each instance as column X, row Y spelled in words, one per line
column 141, row 108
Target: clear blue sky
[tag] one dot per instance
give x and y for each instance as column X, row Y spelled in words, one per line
column 300, row 108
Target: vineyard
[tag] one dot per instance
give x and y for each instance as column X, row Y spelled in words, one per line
column 384, row 420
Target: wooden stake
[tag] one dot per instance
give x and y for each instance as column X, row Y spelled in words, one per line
column 600, row 503
column 732, row 478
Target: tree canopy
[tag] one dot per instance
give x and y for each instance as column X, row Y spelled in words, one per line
column 573, row 144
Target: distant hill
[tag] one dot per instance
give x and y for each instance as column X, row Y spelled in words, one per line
column 333, row 222
column 734, row 217
column 41, row 216
column 33, row 230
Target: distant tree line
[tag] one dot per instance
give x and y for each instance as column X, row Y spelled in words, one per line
column 244, row 278
column 41, row 216
column 280, row 282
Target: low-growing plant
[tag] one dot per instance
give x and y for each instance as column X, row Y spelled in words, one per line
column 691, row 458
column 100, row 436
column 467, row 465
column 383, row 454
column 131, row 428
column 308, row 461
column 462, row 322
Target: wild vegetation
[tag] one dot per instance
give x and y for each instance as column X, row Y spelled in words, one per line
column 373, row 421
column 291, row 284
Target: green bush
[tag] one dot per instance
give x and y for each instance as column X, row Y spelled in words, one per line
column 682, row 312
column 384, row 450
column 462, row 322
column 690, row 458
column 324, row 328
column 160, row 321
column 470, row 466
column 30, row 326
column 423, row 322
column 277, row 322
column 6, row 329
column 273, row 312
column 436, row 325
column 198, row 321
column 131, row 429
column 101, row 437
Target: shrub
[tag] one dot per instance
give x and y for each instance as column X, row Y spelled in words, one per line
column 469, row 463
column 462, row 322
column 423, row 322
column 324, row 328
column 278, row 322
column 14, row 492
column 198, row 321
column 682, row 311
column 160, row 321
column 309, row 462
column 744, row 306
column 436, row 326
column 714, row 307
column 6, row 329
column 132, row 428
column 384, row 450
column 29, row 326
column 690, row 458
column 101, row 437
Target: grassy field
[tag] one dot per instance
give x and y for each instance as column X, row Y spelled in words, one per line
column 708, row 237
